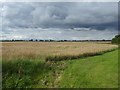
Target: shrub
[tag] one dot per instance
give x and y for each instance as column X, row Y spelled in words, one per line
column 22, row 73
column 116, row 39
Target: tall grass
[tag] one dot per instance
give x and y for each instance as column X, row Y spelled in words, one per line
column 25, row 73
column 22, row 73
column 27, row 64
column 37, row 50
column 71, row 57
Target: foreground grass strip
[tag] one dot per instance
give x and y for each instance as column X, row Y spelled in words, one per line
column 22, row 73
column 98, row 71
column 93, row 72
column 25, row 73
column 71, row 57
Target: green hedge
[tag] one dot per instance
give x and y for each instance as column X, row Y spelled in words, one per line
column 116, row 39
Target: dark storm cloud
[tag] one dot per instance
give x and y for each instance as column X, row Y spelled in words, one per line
column 50, row 20
column 61, row 15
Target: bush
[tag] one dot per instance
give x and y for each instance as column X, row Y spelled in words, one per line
column 22, row 73
column 116, row 39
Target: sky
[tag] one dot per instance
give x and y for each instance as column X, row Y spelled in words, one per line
column 59, row 20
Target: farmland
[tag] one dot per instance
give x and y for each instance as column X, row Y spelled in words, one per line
column 25, row 65
column 37, row 50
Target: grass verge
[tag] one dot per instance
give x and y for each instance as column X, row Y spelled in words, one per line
column 29, row 73
column 92, row 72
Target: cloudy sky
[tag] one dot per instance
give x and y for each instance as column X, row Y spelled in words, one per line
column 59, row 20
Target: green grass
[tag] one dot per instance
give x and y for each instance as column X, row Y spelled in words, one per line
column 91, row 72
column 21, row 73
column 29, row 73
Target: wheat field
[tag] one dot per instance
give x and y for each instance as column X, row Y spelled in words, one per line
column 37, row 50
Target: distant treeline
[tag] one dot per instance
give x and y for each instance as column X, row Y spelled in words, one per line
column 51, row 40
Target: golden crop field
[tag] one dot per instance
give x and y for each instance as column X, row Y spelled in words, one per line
column 37, row 50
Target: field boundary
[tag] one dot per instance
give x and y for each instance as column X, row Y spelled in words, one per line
column 70, row 57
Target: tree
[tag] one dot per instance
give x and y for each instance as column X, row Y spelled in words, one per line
column 36, row 40
column 116, row 39
column 31, row 40
column 103, row 40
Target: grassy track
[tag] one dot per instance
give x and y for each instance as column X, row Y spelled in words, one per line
column 93, row 72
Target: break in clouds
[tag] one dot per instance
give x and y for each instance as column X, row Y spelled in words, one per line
column 59, row 20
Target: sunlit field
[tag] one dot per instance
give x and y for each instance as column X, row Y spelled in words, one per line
column 37, row 50
column 59, row 44
column 33, row 65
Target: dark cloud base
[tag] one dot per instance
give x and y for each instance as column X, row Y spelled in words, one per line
column 28, row 17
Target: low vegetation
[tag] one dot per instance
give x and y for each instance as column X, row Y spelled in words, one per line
column 59, row 65
column 38, row 50
column 71, row 57
column 30, row 73
column 92, row 72
column 116, row 39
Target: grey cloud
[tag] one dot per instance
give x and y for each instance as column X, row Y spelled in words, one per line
column 61, row 15
column 61, row 20
column 58, row 34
